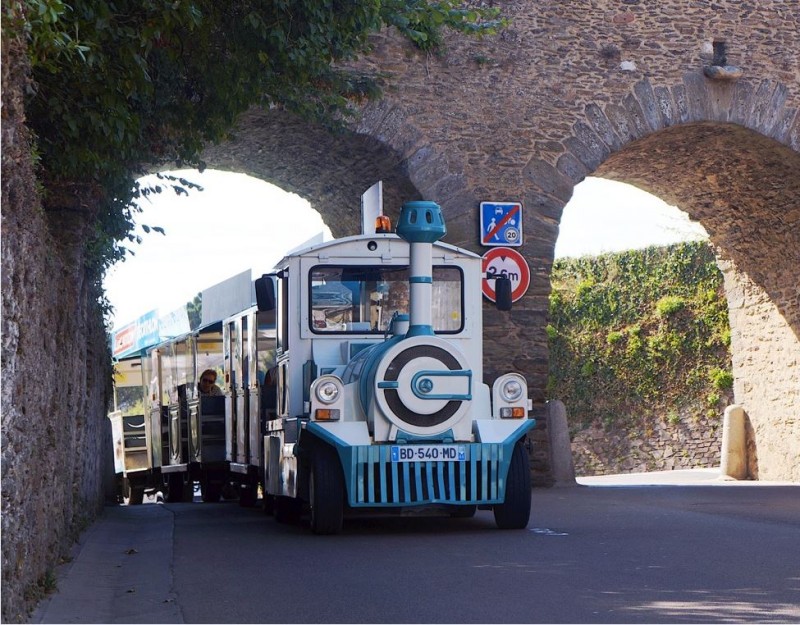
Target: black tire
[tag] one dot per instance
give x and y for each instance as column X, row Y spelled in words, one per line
column 133, row 493
column 326, row 491
column 210, row 492
column 515, row 512
column 175, row 487
column 248, row 494
column 121, row 490
column 288, row 510
column 268, row 504
column 229, row 491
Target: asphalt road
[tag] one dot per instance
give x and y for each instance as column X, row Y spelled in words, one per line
column 721, row 553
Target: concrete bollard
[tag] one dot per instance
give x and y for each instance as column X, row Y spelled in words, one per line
column 560, row 448
column 733, row 456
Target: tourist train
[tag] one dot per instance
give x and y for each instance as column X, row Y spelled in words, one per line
column 352, row 380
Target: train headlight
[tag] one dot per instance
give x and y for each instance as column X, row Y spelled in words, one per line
column 327, row 398
column 511, row 390
column 510, row 397
column 328, row 392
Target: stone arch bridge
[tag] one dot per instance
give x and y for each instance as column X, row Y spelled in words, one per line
column 694, row 102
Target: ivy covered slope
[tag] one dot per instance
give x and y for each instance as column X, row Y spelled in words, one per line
column 638, row 337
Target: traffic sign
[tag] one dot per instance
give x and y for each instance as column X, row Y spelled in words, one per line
column 503, row 261
column 501, row 223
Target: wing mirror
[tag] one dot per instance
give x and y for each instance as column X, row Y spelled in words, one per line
column 502, row 293
column 265, row 293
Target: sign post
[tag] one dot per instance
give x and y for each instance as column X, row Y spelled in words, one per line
column 503, row 261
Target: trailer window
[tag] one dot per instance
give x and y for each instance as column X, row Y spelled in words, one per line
column 129, row 390
column 209, row 353
column 354, row 299
column 266, row 347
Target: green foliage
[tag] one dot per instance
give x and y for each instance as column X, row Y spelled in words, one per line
column 134, row 82
column 721, row 379
column 45, row 585
column 194, row 310
column 637, row 332
column 422, row 21
column 669, row 305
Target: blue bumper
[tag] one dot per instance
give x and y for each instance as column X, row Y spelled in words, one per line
column 373, row 480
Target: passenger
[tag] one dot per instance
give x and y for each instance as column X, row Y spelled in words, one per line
column 207, row 385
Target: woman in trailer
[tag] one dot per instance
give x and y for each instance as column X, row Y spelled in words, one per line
column 207, row 384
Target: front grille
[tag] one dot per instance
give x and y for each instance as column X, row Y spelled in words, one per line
column 377, row 481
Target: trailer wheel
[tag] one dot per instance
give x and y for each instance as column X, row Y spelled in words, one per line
column 288, row 510
column 210, row 492
column 230, row 491
column 268, row 504
column 248, row 494
column 175, row 488
column 133, row 493
column 326, row 491
column 515, row 511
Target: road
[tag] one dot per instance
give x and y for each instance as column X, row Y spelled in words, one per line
column 722, row 552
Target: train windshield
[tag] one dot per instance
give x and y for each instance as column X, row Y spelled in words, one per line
column 353, row 299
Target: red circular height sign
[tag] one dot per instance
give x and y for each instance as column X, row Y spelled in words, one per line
column 503, row 261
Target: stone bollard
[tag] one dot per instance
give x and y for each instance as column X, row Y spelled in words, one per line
column 733, row 456
column 561, row 462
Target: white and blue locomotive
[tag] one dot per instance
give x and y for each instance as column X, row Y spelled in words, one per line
column 379, row 398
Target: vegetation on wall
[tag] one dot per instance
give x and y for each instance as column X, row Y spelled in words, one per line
column 638, row 333
column 120, row 85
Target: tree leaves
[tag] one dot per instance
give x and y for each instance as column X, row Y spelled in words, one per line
column 134, row 82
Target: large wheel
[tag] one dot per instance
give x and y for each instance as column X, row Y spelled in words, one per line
column 515, row 512
column 326, row 491
column 288, row 510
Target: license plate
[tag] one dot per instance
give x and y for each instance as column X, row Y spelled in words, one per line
column 429, row 453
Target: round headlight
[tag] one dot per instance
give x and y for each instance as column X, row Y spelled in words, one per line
column 512, row 390
column 328, row 392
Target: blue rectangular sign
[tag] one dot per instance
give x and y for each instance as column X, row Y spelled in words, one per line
column 501, row 224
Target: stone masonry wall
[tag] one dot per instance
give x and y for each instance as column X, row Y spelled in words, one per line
column 55, row 372
column 762, row 343
column 690, row 442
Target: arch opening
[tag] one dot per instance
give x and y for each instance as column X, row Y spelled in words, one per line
column 744, row 189
column 230, row 224
column 638, row 334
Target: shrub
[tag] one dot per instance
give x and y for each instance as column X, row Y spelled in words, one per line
column 669, row 305
column 721, row 378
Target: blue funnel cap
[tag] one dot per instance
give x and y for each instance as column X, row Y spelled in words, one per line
column 421, row 222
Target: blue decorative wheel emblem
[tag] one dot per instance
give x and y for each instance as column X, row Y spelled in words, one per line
column 425, row 385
